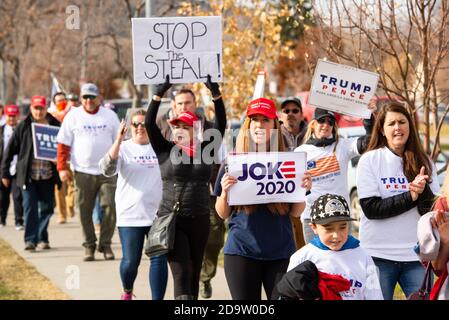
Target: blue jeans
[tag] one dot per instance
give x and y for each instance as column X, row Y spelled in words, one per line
column 132, row 239
column 97, row 213
column 38, row 204
column 409, row 275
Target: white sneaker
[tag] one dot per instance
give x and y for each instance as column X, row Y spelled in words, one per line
column 2, row 225
column 19, row 227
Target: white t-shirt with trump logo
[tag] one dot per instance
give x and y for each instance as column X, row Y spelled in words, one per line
column 380, row 174
column 90, row 136
column 329, row 169
column 139, row 185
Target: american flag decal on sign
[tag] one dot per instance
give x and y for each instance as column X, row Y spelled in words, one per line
column 288, row 169
column 323, row 166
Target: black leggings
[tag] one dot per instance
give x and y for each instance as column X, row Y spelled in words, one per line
column 186, row 258
column 245, row 276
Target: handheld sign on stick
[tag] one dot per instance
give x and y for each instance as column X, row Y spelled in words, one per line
column 259, row 88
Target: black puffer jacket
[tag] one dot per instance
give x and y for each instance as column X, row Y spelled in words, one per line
column 21, row 143
column 196, row 196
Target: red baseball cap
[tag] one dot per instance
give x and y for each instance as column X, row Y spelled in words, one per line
column 187, row 117
column 263, row 106
column 12, row 110
column 38, row 101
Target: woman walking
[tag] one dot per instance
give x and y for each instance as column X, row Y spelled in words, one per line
column 186, row 172
column 260, row 238
column 139, row 191
column 327, row 159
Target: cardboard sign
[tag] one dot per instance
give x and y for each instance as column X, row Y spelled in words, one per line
column 343, row 89
column 185, row 48
column 267, row 177
column 44, row 141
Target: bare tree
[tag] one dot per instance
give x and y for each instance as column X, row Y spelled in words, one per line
column 406, row 43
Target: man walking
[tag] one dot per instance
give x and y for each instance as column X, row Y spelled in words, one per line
column 35, row 177
column 86, row 135
column 293, row 129
column 11, row 114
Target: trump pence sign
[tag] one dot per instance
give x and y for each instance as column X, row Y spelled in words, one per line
column 266, row 177
column 343, row 89
column 44, row 141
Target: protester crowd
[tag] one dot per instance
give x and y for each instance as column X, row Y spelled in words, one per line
column 302, row 250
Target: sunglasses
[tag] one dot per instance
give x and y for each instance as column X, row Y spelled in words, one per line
column 287, row 111
column 331, row 121
column 136, row 124
column 86, row 97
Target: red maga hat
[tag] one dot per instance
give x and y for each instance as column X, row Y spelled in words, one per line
column 38, row 101
column 187, row 117
column 263, row 106
column 12, row 110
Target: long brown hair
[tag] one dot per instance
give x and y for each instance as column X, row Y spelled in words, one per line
column 414, row 156
column 243, row 144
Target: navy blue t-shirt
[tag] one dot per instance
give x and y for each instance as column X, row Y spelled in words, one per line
column 260, row 235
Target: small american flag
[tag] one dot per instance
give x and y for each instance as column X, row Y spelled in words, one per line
column 323, row 166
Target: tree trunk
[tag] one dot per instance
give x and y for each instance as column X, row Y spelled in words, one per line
column 12, row 75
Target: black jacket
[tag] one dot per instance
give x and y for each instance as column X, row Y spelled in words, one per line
column 2, row 130
column 21, row 143
column 196, row 176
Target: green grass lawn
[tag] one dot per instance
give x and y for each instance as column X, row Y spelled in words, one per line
column 8, row 294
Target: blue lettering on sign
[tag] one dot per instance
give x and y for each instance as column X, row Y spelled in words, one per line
column 281, row 170
column 333, row 81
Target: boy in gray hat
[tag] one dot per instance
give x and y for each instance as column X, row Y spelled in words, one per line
column 334, row 251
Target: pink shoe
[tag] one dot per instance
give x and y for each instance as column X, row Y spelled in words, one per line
column 127, row 296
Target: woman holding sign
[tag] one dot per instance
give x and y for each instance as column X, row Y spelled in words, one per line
column 260, row 239
column 186, row 171
column 327, row 159
column 396, row 182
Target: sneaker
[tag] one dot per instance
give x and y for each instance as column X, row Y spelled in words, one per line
column 127, row 296
column 43, row 245
column 2, row 225
column 107, row 252
column 19, row 227
column 29, row 246
column 62, row 221
column 205, row 289
column 89, row 254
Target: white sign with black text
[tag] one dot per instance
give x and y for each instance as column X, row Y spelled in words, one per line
column 185, row 48
column 343, row 89
column 266, row 177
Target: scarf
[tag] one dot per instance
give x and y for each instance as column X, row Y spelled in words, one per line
column 351, row 243
column 330, row 286
column 323, row 142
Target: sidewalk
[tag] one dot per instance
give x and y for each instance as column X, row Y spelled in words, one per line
column 97, row 280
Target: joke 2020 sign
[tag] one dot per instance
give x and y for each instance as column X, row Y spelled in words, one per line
column 185, row 48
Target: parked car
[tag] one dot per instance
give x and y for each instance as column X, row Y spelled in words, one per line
column 352, row 174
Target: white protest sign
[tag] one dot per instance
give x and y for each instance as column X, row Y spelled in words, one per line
column 343, row 89
column 185, row 48
column 266, row 177
column 259, row 88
